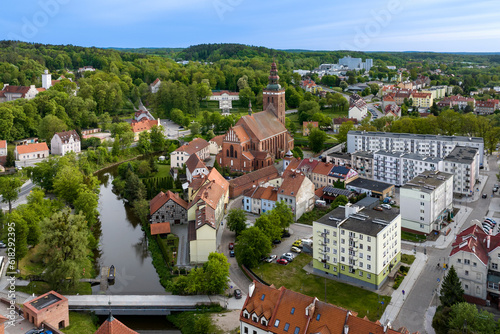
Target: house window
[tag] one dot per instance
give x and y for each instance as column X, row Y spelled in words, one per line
column 296, row 331
column 342, row 268
column 245, row 330
column 466, row 273
column 276, row 323
column 466, row 261
column 466, row 287
column 287, row 325
column 369, row 239
column 459, row 260
column 368, row 266
column 494, row 266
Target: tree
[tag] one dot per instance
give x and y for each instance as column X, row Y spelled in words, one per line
column 86, row 204
column 307, row 109
column 283, row 213
column 195, row 128
column 317, row 138
column 49, row 125
column 451, row 289
column 246, row 95
column 11, row 159
column 343, row 85
column 465, row 318
column 20, row 226
column 9, row 189
column 157, row 138
column 64, row 247
column 236, row 221
column 251, row 246
column 68, row 183
column 344, row 128
column 144, row 143
column 269, row 224
column 216, row 273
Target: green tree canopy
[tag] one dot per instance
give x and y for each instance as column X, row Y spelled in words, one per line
column 9, row 189
column 317, row 138
column 451, row 289
column 252, row 245
column 236, row 221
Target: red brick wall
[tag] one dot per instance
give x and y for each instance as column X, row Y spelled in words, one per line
column 475, row 300
column 52, row 315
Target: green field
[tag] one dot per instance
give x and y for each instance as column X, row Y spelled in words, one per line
column 81, row 323
column 293, row 277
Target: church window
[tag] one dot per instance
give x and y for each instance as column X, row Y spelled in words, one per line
column 227, row 153
column 231, row 150
column 235, row 153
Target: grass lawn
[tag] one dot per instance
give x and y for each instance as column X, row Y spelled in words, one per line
column 293, row 277
column 163, row 171
column 81, row 323
column 39, row 288
column 170, row 244
column 315, row 214
column 408, row 259
column 412, row 237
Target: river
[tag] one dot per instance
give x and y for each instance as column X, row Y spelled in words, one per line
column 123, row 244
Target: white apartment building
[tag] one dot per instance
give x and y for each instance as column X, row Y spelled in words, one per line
column 463, row 163
column 357, row 244
column 197, row 146
column 429, row 145
column 64, row 142
column 398, row 168
column 426, row 201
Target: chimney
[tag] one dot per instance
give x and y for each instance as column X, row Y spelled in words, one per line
column 251, row 289
column 488, row 239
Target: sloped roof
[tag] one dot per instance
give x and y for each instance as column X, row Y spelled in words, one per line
column 193, row 146
column 143, row 125
column 225, row 92
column 323, row 168
column 210, row 193
column 159, row 200
column 266, row 172
column 263, row 124
column 473, row 240
column 32, row 148
column 292, row 181
column 66, row 135
column 205, row 216
column 194, row 162
column 218, row 140
column 3, row 144
column 216, row 177
column 16, row 90
column 308, row 165
column 113, row 326
column 240, row 132
column 159, row 228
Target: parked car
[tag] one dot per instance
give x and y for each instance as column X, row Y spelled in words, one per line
column 287, row 258
column 276, row 241
column 484, row 196
column 34, row 331
column 270, row 258
column 231, row 253
column 297, row 243
column 231, row 246
column 282, row 261
column 386, row 206
column 378, row 208
column 237, row 293
column 2, row 245
column 495, row 189
column 285, row 234
column 296, row 249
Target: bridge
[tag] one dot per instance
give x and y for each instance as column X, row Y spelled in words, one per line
column 140, row 304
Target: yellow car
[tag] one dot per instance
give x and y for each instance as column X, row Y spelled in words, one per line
column 297, row 243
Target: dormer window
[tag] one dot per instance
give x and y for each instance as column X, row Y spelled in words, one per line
column 246, row 315
column 264, row 321
column 255, row 318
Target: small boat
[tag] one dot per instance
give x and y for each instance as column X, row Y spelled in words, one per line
column 111, row 273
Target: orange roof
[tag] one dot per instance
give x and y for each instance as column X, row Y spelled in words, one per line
column 193, row 146
column 210, row 193
column 113, row 326
column 292, row 181
column 194, row 162
column 45, row 301
column 159, row 228
column 421, row 95
column 218, row 140
column 225, row 92
column 319, row 192
column 32, row 148
column 263, row 124
column 269, row 173
column 41, row 90
column 305, row 124
column 143, row 125
column 159, row 200
column 3, row 144
column 215, row 176
column 240, row 132
column 323, row 168
column 270, row 194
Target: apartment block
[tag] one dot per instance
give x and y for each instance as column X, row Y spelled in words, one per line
column 362, row 161
column 463, row 163
column 426, row 201
column 428, row 145
column 358, row 245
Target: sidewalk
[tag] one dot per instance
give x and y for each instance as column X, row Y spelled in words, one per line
column 398, row 299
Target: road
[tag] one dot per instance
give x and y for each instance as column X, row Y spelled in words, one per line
column 23, row 193
column 419, row 299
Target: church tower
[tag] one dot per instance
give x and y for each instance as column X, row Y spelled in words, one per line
column 274, row 95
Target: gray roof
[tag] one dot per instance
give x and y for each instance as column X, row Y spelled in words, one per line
column 369, row 184
column 462, row 154
column 427, row 181
column 363, row 154
column 366, row 221
column 337, row 191
column 341, row 155
column 416, row 136
column 408, row 155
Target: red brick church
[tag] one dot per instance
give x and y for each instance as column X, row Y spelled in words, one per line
column 258, row 138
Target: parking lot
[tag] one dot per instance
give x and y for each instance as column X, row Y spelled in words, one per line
column 297, row 231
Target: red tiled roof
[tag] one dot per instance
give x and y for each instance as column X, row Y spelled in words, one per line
column 113, row 326
column 319, row 192
column 323, row 168
column 32, row 148
column 193, row 146
column 41, row 90
column 314, row 124
column 16, row 90
column 218, row 140
column 194, row 162
column 308, row 165
column 159, row 200
column 143, row 125
column 205, row 216
column 240, row 132
column 225, row 92
column 421, row 95
column 266, row 172
column 473, row 240
column 263, row 124
column 159, row 228
column 216, row 177
column 292, row 181
column 3, row 144
column 156, row 81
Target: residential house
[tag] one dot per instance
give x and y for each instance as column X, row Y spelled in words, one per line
column 297, row 191
column 260, row 199
column 362, row 162
column 86, row 69
column 306, row 166
column 426, row 202
column 154, row 87
column 319, row 175
column 463, row 163
column 341, row 173
column 371, row 188
column 205, row 213
column 144, row 125
column 12, row 93
column 422, row 100
column 143, row 114
column 486, row 107
column 238, row 185
column 460, row 101
column 388, row 100
column 31, row 152
column 307, row 126
column 338, row 121
column 339, row 158
column 195, row 167
column 270, row 310
column 215, row 144
column 357, row 244
column 475, row 255
column 430, row 145
column 358, row 108
column 198, row 146
column 3, row 152
column 392, row 110
column 64, row 142
column 168, row 208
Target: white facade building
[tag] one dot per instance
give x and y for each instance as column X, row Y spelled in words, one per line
column 46, row 79
column 426, row 201
column 429, row 145
column 64, row 142
column 463, row 163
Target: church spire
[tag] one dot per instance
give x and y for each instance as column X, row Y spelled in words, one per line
column 249, row 107
column 273, row 78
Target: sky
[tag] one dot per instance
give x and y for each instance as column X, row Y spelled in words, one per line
column 361, row 25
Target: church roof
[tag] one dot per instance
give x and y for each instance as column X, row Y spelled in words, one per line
column 263, row 124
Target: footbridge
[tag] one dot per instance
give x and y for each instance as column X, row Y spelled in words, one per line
column 140, row 304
